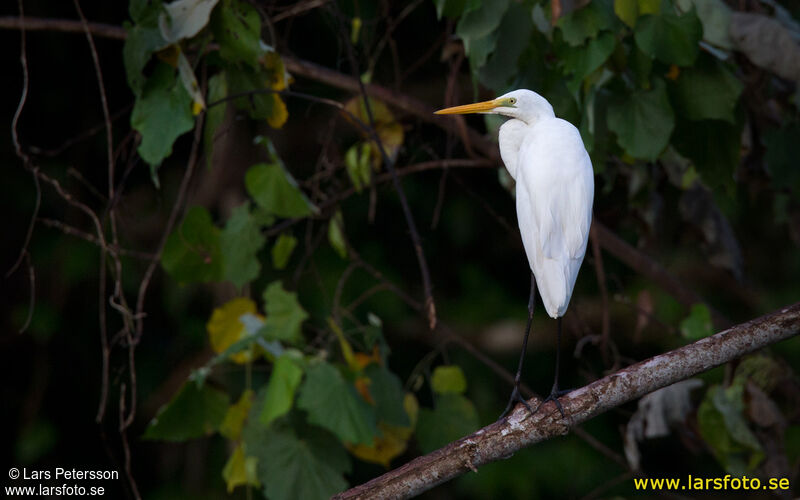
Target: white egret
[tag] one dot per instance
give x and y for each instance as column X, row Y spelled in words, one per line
column 554, row 191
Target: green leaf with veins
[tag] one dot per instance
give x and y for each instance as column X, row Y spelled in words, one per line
column 305, row 463
column 580, row 62
column 237, row 28
column 707, row 91
column 643, row 121
column 240, row 243
column 284, row 315
column 161, row 114
column 670, row 38
column 588, row 21
column 333, row 403
column 194, row 412
column 453, row 417
column 192, row 252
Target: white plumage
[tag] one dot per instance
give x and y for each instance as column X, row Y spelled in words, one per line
column 555, row 189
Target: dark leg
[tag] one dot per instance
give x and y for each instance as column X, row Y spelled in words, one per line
column 555, row 393
column 515, row 395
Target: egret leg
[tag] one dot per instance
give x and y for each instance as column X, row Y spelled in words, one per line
column 515, row 395
column 555, row 393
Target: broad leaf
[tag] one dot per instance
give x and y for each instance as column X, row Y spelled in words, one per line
column 707, row 91
column 192, row 252
column 233, row 423
column 387, row 392
column 237, row 29
column 393, row 439
column 226, row 328
column 698, row 324
column 513, row 37
column 307, row 464
column 724, row 428
column 194, row 412
column 240, row 243
column 580, row 62
column 284, row 314
column 670, row 38
column 282, row 250
column 275, row 190
column 480, row 24
column 588, row 21
column 448, row 379
column 643, row 121
column 715, row 16
column 141, row 43
column 184, row 18
column 332, row 403
column 240, row 470
column 161, row 114
column 279, row 396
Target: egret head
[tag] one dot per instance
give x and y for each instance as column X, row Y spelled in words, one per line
column 522, row 104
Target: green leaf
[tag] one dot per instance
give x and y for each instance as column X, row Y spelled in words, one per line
column 307, row 464
column 707, row 91
column 192, row 253
column 140, row 44
column 240, row 243
column 279, row 396
column 453, row 417
column 783, row 150
column 282, row 250
column 513, row 36
column 587, row 21
column 237, row 29
column 235, row 417
column 476, row 29
column 217, row 89
column 724, row 428
column 698, row 324
column 334, row 404
column 627, row 11
column 194, row 412
column 643, row 121
column 357, row 162
column 260, row 102
column 284, row 314
column 583, row 61
column 387, row 391
column 161, row 114
column 713, row 146
column 670, row 38
column 275, row 190
column 448, row 380
column 715, row 17
column 451, row 8
column 336, row 234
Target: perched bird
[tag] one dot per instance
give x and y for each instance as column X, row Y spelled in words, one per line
column 555, row 190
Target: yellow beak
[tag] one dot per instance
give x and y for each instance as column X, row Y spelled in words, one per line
column 478, row 107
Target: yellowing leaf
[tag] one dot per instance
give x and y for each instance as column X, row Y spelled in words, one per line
column 448, row 379
column 388, row 130
column 347, row 349
column 225, row 328
column 232, row 424
column 362, row 386
column 673, row 73
column 279, row 113
column 393, row 440
column 240, row 470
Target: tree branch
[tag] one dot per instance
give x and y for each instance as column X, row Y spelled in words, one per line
column 520, row 430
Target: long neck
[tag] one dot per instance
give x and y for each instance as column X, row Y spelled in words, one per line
column 510, row 140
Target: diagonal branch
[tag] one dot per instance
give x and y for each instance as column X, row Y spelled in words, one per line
column 505, row 437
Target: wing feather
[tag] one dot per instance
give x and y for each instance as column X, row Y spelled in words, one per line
column 555, row 192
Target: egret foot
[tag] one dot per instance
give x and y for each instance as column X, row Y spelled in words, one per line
column 512, row 402
column 554, row 395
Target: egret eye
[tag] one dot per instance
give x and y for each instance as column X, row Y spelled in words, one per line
column 512, row 100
